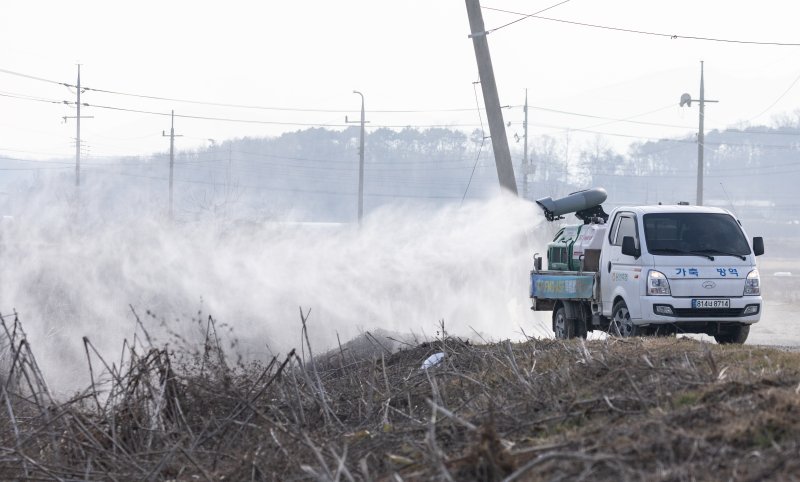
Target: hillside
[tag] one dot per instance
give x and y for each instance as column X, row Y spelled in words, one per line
column 652, row 409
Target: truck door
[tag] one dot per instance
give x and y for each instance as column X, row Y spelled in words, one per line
column 621, row 273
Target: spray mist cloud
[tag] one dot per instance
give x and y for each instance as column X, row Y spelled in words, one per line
column 405, row 269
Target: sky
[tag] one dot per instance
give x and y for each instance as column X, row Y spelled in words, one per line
column 295, row 65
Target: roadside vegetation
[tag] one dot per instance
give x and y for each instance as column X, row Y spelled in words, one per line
column 542, row 409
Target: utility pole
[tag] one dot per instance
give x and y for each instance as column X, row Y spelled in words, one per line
column 78, row 118
column 525, row 162
column 360, row 159
column 701, row 134
column 687, row 100
column 78, row 134
column 502, row 154
column 171, row 157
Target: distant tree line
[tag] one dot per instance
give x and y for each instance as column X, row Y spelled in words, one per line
column 313, row 173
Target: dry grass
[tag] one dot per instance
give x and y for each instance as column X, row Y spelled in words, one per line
column 641, row 409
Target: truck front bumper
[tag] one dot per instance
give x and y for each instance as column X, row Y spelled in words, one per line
column 666, row 309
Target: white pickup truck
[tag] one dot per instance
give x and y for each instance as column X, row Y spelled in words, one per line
column 648, row 270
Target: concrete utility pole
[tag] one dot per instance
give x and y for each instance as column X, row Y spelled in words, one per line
column 171, row 157
column 78, row 133
column 502, row 154
column 360, row 160
column 78, row 118
column 525, row 162
column 687, row 100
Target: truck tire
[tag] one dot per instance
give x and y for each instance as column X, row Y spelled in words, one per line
column 621, row 324
column 732, row 334
column 563, row 327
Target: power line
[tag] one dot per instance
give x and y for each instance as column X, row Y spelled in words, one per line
column 644, row 32
column 67, row 165
column 252, row 121
column 281, row 109
column 614, row 119
column 483, row 140
column 31, row 98
column 276, row 189
column 42, row 153
column 778, row 99
column 33, row 161
column 33, row 77
column 34, row 168
column 769, row 169
column 526, row 16
column 437, row 162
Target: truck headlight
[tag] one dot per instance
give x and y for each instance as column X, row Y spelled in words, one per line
column 752, row 285
column 657, row 284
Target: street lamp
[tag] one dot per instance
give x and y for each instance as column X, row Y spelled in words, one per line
column 687, row 100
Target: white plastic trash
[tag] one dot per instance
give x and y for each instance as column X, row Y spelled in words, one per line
column 432, row 360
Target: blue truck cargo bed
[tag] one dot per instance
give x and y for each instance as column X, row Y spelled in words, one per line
column 561, row 285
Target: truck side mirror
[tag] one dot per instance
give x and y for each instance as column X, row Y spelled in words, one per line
column 629, row 247
column 758, row 245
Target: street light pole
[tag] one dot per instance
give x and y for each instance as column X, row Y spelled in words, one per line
column 686, row 99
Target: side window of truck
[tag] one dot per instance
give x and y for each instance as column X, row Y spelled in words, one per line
column 624, row 225
column 612, row 233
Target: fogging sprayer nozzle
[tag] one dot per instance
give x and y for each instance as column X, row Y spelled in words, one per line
column 584, row 204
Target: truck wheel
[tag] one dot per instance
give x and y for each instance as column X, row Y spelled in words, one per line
column 563, row 328
column 621, row 324
column 733, row 334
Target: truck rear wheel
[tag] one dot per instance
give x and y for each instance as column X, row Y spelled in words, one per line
column 563, row 327
column 732, row 334
column 621, row 324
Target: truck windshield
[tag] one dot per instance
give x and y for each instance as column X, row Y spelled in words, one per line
column 694, row 233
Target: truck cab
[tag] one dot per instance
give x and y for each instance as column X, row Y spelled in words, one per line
column 685, row 268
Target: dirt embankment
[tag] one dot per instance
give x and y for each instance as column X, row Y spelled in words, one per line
column 641, row 409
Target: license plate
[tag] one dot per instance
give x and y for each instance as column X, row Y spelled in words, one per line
column 708, row 303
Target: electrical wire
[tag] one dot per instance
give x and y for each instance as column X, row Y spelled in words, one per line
column 40, row 168
column 259, row 107
column 31, row 98
column 252, row 121
column 28, row 76
column 777, row 100
column 644, row 32
column 527, row 16
column 612, row 120
column 483, row 140
column 41, row 153
column 271, row 188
